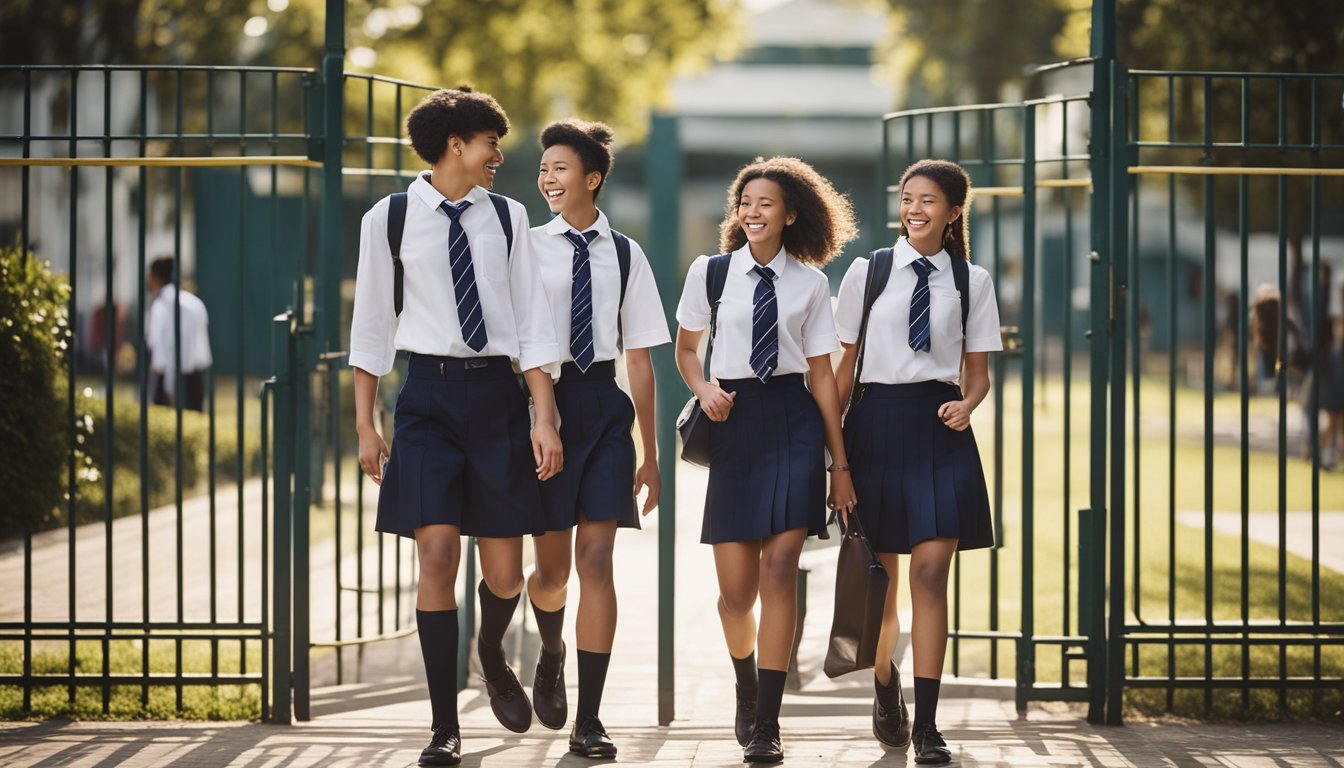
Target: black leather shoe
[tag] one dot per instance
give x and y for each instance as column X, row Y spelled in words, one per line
column 745, row 719
column 548, row 691
column 509, row 702
column 444, row 749
column 590, row 739
column 891, row 720
column 930, row 749
column 764, row 745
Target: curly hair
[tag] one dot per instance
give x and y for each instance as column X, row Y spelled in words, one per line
column 459, row 112
column 825, row 217
column 955, row 183
column 590, row 141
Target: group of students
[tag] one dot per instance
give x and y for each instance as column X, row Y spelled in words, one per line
column 451, row 274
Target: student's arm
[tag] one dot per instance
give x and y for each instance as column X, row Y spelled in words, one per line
column 372, row 448
column 844, row 374
column 639, row 368
column 822, row 381
column 546, row 448
column 974, row 386
column 713, row 401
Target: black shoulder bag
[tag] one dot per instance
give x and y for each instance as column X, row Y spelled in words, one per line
column 693, row 424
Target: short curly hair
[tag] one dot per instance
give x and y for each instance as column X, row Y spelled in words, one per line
column 590, row 141
column 459, row 112
column 955, row 183
column 824, row 217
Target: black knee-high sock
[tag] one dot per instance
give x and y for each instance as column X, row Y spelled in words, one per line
column 926, row 700
column 592, row 680
column 438, row 644
column 745, row 669
column 550, row 624
column 496, row 613
column 770, row 695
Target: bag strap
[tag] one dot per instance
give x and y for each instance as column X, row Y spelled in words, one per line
column 879, row 271
column 961, row 277
column 623, row 262
column 855, row 529
column 716, row 276
column 396, row 224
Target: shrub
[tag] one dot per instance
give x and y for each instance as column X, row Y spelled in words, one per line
column 34, row 341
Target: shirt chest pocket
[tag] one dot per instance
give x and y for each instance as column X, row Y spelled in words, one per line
column 490, row 254
column 945, row 315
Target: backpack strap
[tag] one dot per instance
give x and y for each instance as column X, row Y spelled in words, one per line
column 961, row 277
column 505, row 220
column 716, row 276
column 879, row 271
column 623, row 262
column 396, row 223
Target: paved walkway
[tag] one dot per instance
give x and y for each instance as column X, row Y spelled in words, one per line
column 380, row 718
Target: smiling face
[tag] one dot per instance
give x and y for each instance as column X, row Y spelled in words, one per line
column 925, row 214
column 564, row 185
column 478, row 157
column 762, row 214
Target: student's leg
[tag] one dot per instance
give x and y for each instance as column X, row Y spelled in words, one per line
column 439, row 549
column 738, row 564
column 596, row 628
column 779, row 616
column 890, row 717
column 930, row 562
column 499, row 590
column 547, row 589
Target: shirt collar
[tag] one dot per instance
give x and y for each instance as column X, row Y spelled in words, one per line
column 744, row 263
column 905, row 255
column 558, row 226
column 431, row 197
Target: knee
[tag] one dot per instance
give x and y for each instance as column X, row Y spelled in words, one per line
column 594, row 564
column 929, row 579
column 438, row 562
column 503, row 583
column 779, row 572
column 549, row 578
column 736, row 604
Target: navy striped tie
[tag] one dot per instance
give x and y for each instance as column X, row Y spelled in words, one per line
column 764, row 326
column 581, row 300
column 469, row 312
column 919, row 305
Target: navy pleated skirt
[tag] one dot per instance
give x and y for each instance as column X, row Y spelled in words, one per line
column 767, row 472
column 461, row 452
column 599, row 474
column 915, row 478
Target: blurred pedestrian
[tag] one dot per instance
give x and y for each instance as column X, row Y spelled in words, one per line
column 178, row 328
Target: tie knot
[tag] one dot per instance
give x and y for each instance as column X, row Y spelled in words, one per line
column 767, row 274
column 454, row 211
column 924, row 266
column 581, row 241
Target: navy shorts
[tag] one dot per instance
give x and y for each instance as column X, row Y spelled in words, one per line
column 915, row 478
column 599, row 475
column 767, row 472
column 461, row 451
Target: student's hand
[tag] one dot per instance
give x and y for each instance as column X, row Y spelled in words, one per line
column 955, row 414
column 372, row 452
column 842, row 498
column 715, row 402
column 647, row 476
column 547, row 451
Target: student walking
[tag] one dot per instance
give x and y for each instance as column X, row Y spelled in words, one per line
column 601, row 293
column 768, row 308
column 924, row 368
column 447, row 274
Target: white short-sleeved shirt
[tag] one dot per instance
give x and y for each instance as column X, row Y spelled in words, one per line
column 806, row 325
column 642, row 321
column 887, row 357
column 517, row 319
column 161, row 326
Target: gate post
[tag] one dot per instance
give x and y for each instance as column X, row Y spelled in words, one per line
column 282, row 623
column 1026, row 652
